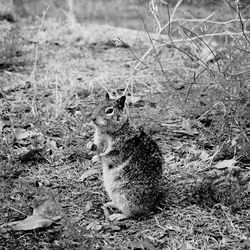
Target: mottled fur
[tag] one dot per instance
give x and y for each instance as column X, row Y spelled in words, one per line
column 131, row 160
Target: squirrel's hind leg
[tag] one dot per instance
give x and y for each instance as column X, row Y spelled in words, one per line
column 117, row 216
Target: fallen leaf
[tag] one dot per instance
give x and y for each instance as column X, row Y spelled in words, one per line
column 88, row 173
column 204, row 155
column 30, row 223
column 143, row 244
column 46, row 211
column 111, row 227
column 230, row 164
column 172, row 228
column 186, row 128
column 94, row 226
column 21, row 134
column 187, row 246
column 88, row 206
column 52, row 145
column 234, row 140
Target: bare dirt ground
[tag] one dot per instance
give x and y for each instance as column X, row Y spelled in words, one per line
column 52, row 76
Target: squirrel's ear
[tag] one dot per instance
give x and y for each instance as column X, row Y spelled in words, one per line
column 121, row 102
column 107, row 96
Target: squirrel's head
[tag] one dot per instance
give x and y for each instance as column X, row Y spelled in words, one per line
column 110, row 115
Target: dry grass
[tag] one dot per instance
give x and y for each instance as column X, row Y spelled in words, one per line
column 12, row 48
column 44, row 125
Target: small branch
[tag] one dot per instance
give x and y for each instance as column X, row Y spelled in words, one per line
column 18, row 211
column 208, row 21
column 158, row 34
column 36, row 49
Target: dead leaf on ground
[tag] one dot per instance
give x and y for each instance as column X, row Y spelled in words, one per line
column 89, row 173
column 172, row 228
column 204, row 156
column 88, row 206
column 21, row 134
column 226, row 164
column 186, row 128
column 142, row 244
column 30, row 223
column 187, row 246
column 94, row 226
column 108, row 226
column 52, row 145
column 46, row 211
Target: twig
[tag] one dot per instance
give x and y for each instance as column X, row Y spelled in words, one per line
column 203, row 43
column 158, row 34
column 208, row 21
column 32, row 75
column 226, row 33
column 152, row 44
column 241, row 21
column 18, row 211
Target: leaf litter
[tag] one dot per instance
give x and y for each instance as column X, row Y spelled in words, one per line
column 53, row 153
column 46, row 212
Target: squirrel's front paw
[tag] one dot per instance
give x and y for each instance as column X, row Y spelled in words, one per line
column 110, row 204
column 91, row 146
column 95, row 159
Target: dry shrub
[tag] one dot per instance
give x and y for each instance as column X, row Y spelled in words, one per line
column 207, row 62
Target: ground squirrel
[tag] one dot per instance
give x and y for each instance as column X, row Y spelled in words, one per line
column 131, row 160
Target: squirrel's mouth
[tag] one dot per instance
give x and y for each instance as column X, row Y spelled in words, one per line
column 99, row 121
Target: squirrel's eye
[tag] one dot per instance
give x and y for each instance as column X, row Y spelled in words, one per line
column 109, row 111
